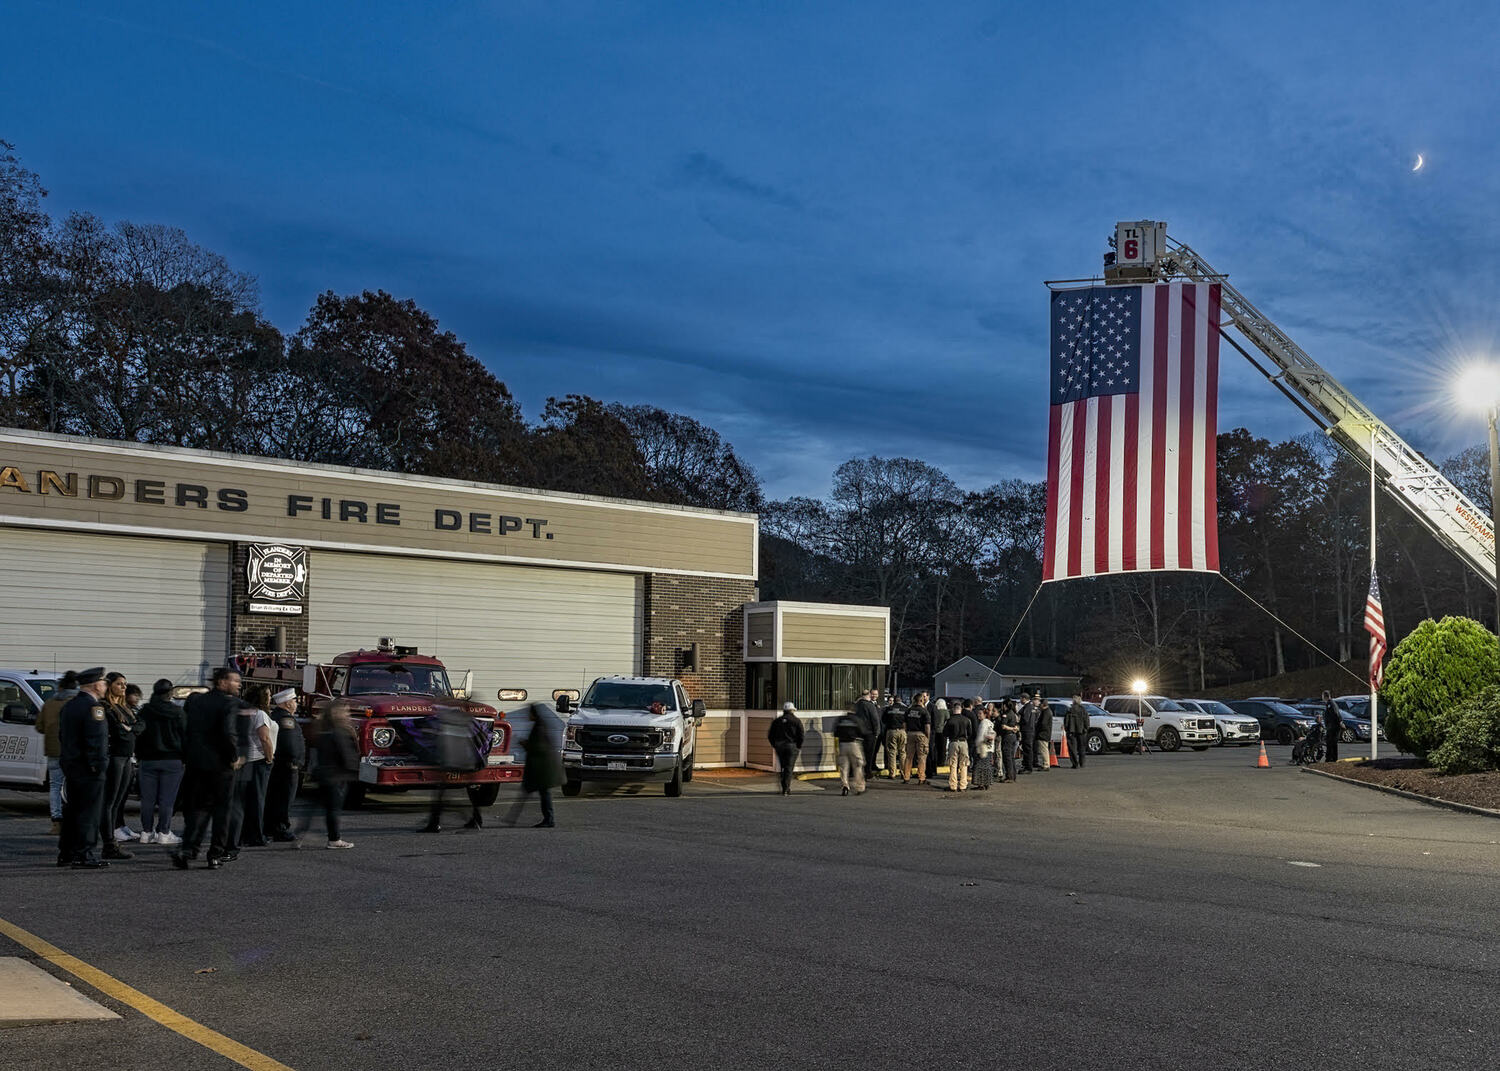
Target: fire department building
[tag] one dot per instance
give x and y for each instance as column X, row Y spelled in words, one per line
column 160, row 561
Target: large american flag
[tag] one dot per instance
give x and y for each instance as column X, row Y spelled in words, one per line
column 1131, row 439
column 1375, row 626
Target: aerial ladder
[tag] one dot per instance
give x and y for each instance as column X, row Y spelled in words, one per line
column 1143, row 253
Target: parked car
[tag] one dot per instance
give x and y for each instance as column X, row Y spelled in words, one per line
column 630, row 729
column 1107, row 732
column 1279, row 721
column 1232, row 728
column 1165, row 722
column 22, row 693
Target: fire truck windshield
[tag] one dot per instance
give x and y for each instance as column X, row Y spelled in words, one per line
column 397, row 678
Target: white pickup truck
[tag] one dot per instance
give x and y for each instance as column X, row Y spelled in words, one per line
column 23, row 760
column 1167, row 723
column 629, row 729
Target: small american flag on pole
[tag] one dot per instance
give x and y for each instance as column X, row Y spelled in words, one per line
column 1131, row 437
column 1375, row 626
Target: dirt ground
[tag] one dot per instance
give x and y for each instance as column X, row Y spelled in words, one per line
column 1410, row 775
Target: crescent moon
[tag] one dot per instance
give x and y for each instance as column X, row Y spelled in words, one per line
column 1418, row 165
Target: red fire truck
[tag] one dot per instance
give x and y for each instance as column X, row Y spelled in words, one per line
column 393, row 695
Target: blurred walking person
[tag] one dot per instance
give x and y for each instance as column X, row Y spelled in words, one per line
column 210, row 757
column 287, row 764
column 455, row 752
column 786, row 736
column 338, row 764
column 47, row 722
column 124, row 727
column 849, row 732
column 1076, row 726
column 83, row 743
column 918, row 740
column 543, row 771
column 158, row 756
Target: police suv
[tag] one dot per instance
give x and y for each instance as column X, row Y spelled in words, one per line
column 629, row 729
column 23, row 760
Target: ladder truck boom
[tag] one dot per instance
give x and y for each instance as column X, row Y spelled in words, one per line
column 1144, row 253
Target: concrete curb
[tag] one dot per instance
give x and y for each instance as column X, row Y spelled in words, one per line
column 1404, row 794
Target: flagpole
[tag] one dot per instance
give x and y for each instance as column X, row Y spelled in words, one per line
column 1374, row 696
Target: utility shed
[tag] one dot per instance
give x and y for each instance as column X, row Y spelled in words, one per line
column 985, row 676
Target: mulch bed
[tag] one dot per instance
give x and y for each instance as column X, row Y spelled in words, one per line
column 1411, row 775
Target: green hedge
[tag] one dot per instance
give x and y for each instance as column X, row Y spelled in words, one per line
column 1439, row 666
column 1469, row 735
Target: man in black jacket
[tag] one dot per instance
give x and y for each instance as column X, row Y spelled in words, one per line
column 867, row 711
column 83, row 738
column 1043, row 732
column 211, row 756
column 1076, row 726
column 918, row 740
column 1333, row 725
column 786, row 736
column 286, row 766
column 1031, row 713
column 959, row 732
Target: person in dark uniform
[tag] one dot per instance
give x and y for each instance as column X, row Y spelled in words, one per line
column 286, row 767
column 867, row 711
column 83, row 739
column 918, row 740
column 1031, row 713
column 212, row 757
column 959, row 732
column 1009, row 724
column 1333, row 725
column 1076, row 726
column 786, row 736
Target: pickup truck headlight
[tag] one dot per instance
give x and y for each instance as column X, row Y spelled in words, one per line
column 570, row 739
column 668, row 740
column 383, row 737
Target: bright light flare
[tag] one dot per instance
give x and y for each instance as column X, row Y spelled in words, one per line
column 1477, row 387
column 1138, row 687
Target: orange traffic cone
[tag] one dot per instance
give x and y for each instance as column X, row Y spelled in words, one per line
column 1062, row 752
column 1262, row 763
column 1052, row 752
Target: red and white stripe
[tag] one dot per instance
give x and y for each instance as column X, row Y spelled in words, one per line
column 1131, row 477
column 1375, row 626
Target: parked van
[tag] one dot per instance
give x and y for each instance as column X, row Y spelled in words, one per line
column 23, row 759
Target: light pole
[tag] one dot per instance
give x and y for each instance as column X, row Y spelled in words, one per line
column 1139, row 686
column 1480, row 386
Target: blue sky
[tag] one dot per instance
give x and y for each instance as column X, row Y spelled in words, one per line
column 820, row 227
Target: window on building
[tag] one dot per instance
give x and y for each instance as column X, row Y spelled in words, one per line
column 811, row 686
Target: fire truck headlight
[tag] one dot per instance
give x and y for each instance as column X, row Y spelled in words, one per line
column 383, row 737
column 496, row 738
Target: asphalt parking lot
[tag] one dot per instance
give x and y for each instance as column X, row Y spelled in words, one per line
column 1158, row 911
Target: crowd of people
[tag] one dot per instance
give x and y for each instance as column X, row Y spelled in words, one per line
column 232, row 762
column 982, row 743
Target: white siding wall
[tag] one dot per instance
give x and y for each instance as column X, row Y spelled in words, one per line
column 515, row 626
column 147, row 607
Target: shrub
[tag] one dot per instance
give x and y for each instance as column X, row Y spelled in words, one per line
column 1470, row 735
column 1439, row 665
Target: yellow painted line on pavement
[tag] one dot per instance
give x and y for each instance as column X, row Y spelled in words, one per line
column 147, row 1006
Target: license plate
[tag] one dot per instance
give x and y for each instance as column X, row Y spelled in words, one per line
column 617, row 766
column 451, row 777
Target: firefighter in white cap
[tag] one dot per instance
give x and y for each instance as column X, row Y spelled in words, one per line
column 286, row 767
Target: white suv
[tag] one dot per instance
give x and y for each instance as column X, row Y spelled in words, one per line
column 1107, row 732
column 1169, row 725
column 1233, row 727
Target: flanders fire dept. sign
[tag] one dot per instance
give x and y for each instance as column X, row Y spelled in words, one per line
column 276, row 576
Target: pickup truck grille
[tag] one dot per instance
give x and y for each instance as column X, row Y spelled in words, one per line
column 608, row 739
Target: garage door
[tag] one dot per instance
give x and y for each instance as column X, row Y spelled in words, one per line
column 515, row 627
column 147, row 607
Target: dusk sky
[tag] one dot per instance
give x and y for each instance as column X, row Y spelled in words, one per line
column 821, row 228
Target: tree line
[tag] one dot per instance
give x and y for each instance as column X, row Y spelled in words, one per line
column 131, row 331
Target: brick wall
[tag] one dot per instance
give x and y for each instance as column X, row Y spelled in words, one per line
column 259, row 630
column 682, row 610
